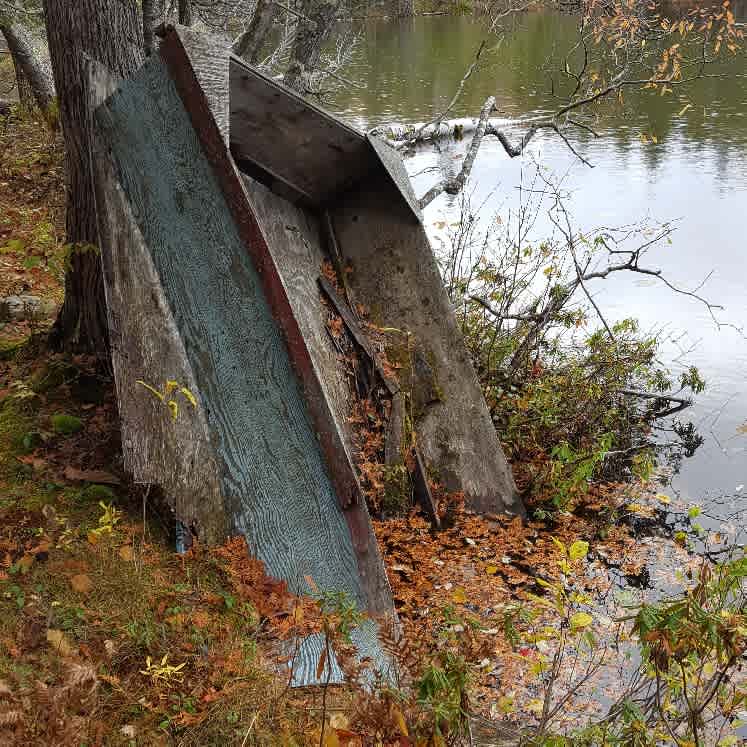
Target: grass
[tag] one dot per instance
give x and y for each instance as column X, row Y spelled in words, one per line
column 88, row 592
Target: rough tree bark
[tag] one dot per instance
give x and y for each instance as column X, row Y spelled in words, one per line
column 110, row 32
column 250, row 44
column 153, row 14
column 26, row 60
column 185, row 12
column 310, row 38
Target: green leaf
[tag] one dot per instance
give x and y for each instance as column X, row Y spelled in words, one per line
column 694, row 512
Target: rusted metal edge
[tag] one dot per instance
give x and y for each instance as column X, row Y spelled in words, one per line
column 342, row 472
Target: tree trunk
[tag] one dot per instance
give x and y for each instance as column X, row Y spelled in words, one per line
column 26, row 60
column 309, row 42
column 110, row 32
column 250, row 44
column 185, row 12
column 405, row 8
column 153, row 14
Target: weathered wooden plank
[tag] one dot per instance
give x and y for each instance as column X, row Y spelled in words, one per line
column 289, row 143
column 145, row 345
column 291, row 235
column 422, row 489
column 392, row 162
column 395, row 274
column 209, row 57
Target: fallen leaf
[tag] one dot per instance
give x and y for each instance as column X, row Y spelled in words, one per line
column 59, row 642
column 491, row 570
column 126, row 552
column 81, row 583
column 459, row 595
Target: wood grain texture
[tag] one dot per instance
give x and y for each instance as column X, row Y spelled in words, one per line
column 209, row 56
column 396, row 276
column 146, row 345
column 288, row 143
column 292, row 236
column 272, row 475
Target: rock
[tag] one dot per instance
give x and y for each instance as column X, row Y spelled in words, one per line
column 25, row 308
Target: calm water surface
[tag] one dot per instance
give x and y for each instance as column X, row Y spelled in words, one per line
column 696, row 174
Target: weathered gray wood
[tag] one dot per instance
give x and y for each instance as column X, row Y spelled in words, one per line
column 422, row 489
column 145, row 345
column 396, row 276
column 391, row 160
column 289, row 143
column 292, row 237
column 209, row 56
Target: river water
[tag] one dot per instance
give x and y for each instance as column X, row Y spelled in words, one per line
column 695, row 174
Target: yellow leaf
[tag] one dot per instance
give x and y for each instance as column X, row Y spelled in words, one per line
column 459, row 596
column 399, row 719
column 93, row 538
column 190, row 397
column 153, row 391
column 558, row 544
column 171, row 385
column 491, row 570
column 664, row 498
column 578, row 550
column 581, row 620
column 684, row 109
column 505, row 704
column 174, row 408
column 535, row 706
column 126, row 552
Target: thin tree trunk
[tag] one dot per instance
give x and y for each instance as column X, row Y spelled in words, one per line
column 309, row 42
column 405, row 8
column 25, row 94
column 250, row 44
column 185, row 12
column 26, row 59
column 153, row 14
column 108, row 31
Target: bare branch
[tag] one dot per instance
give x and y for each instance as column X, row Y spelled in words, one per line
column 455, row 185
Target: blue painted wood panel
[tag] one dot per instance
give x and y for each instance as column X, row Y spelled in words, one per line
column 271, row 468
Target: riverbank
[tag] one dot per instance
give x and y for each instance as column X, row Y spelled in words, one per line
column 107, row 635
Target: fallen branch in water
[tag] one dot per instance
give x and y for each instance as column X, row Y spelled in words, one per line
column 454, row 186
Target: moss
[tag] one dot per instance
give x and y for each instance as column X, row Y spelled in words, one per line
column 65, row 425
column 15, row 426
column 51, row 376
column 96, row 493
column 397, row 490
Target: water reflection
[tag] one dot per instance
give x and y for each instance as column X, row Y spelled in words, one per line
column 697, row 173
